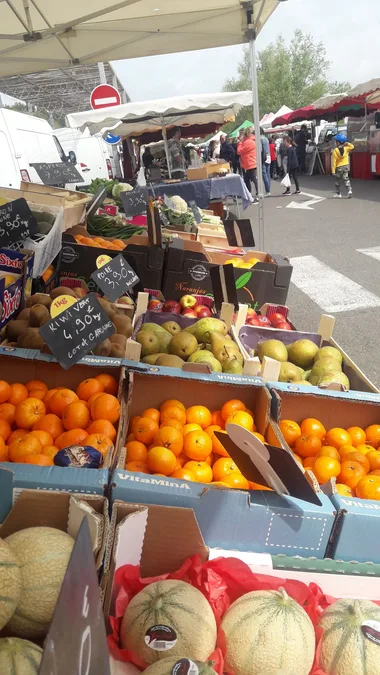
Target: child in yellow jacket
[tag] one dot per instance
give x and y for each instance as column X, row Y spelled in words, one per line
column 340, row 162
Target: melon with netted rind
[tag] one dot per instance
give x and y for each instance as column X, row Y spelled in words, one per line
column 19, row 657
column 173, row 665
column 43, row 554
column 351, row 638
column 10, row 583
column 169, row 618
column 267, row 632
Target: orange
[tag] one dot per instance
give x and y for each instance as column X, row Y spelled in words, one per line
column 50, row 423
column 175, row 413
column 184, row 474
column 109, row 383
column 37, row 393
column 216, row 418
column 61, row 399
column 16, row 435
column 93, row 398
column 337, row 437
column 359, row 457
column 351, row 473
column 329, row 451
column 136, row 451
column 161, row 460
column 106, row 407
column 236, row 480
column 372, row 434
column 344, row 450
column 48, row 396
column 223, row 467
column 198, row 414
column 72, row 437
column 24, row 446
column 39, row 459
column 7, row 412
column 36, row 384
column 232, row 406
column 182, row 459
column 130, row 438
column 88, row 388
column 4, row 456
column 170, row 438
column 29, row 412
column 308, row 462
column 172, row 423
column 18, row 393
column 76, row 415
column 259, row 436
column 100, row 442
column 133, row 420
column 243, row 419
column 191, row 427
column 5, row 429
column 140, row 467
column 218, row 446
column 219, row 483
column 373, row 459
column 170, row 402
column 144, row 430
column 5, row 391
column 365, row 448
column 201, row 470
column 325, row 468
column 357, row 436
column 151, row 412
column 44, row 438
column 197, row 445
column 344, row 490
column 368, row 488
column 290, row 431
column 307, row 446
column 312, row 426
column 210, row 459
column 50, row 451
column 102, row 427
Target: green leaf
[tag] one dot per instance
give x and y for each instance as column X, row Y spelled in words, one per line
column 243, row 280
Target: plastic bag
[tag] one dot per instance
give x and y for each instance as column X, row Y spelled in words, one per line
column 286, row 181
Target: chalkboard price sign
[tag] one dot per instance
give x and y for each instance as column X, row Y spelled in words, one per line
column 115, row 278
column 57, row 173
column 196, row 211
column 16, row 222
column 135, row 201
column 76, row 331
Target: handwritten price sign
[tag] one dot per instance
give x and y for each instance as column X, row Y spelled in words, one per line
column 16, row 222
column 56, row 173
column 115, row 278
column 76, row 331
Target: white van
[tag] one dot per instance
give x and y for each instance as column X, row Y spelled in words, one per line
column 25, row 139
column 91, row 153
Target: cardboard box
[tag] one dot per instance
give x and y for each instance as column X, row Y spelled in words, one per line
column 13, row 296
column 259, row 521
column 207, row 170
column 355, row 536
column 73, row 203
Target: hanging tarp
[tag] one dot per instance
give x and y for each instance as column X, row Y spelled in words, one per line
column 245, row 125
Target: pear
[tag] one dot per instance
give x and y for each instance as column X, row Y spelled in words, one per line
column 307, row 374
column 274, row 349
column 170, row 361
column 152, row 327
column 223, row 348
column 302, row 353
column 232, row 366
column 205, row 326
column 203, row 356
column 151, row 358
column 183, row 345
column 148, row 341
column 305, row 382
column 290, row 373
column 323, row 366
column 172, row 327
column 330, row 352
column 336, row 377
column 164, row 340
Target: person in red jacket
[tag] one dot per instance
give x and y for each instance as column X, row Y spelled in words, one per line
column 246, row 150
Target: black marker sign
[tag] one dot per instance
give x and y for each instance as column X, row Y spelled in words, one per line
column 56, row 173
column 16, row 222
column 135, row 201
column 196, row 211
column 115, row 278
column 76, row 331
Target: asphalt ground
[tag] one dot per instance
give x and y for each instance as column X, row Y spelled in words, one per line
column 330, row 273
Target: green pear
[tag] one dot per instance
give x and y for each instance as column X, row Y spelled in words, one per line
column 164, row 340
column 153, row 328
column 170, row 361
column 223, row 348
column 152, row 358
column 274, row 349
column 204, row 326
column 305, row 382
column 149, row 342
column 183, row 345
column 323, row 366
column 203, row 356
column 330, row 352
column 334, row 378
column 307, row 374
column 302, row 353
column 289, row 373
column 172, row 327
column 232, row 367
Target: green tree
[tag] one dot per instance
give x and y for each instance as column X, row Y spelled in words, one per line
column 294, row 75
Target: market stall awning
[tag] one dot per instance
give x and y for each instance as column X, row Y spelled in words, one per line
column 245, row 125
column 135, row 119
column 38, row 35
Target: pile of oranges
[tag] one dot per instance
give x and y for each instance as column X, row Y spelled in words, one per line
column 351, row 456
column 36, row 422
column 181, row 443
column 100, row 242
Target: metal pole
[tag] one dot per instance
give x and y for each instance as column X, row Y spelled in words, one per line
column 102, row 73
column 256, row 121
column 164, row 136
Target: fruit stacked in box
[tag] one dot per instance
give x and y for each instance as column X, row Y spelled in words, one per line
column 40, row 426
column 192, row 306
column 277, row 320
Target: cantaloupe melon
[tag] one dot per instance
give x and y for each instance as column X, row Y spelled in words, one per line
column 10, row 583
column 268, row 632
column 19, row 657
column 177, row 666
column 351, row 638
column 169, row 618
column 43, row 554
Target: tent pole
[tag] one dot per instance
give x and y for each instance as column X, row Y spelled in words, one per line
column 256, row 121
column 164, row 136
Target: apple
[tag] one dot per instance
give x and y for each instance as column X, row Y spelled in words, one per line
column 264, row 321
column 187, row 301
column 202, row 311
column 253, row 321
column 189, row 313
column 125, row 300
column 283, row 325
column 251, row 312
column 155, row 305
column 172, row 306
column 277, row 317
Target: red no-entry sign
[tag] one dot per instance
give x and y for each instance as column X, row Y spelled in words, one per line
column 104, row 96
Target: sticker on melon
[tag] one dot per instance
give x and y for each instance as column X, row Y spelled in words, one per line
column 184, row 666
column 371, row 630
column 161, row 638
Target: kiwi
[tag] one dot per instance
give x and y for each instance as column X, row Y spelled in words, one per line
column 15, row 328
column 62, row 290
column 123, row 325
column 24, row 314
column 109, row 308
column 117, row 351
column 31, row 339
column 39, row 314
column 104, row 349
column 38, row 299
column 119, row 340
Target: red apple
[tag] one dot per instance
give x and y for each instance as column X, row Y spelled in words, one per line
column 253, row 321
column 155, row 305
column 264, row 321
column 277, row 317
column 172, row 306
column 187, row 301
column 189, row 313
column 202, row 311
column 284, row 325
column 251, row 312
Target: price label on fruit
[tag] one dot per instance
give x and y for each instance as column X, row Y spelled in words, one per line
column 16, row 222
column 115, row 278
column 76, row 331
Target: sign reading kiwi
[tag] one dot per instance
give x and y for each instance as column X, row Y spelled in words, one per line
column 77, row 331
column 115, row 278
column 57, row 173
column 16, row 222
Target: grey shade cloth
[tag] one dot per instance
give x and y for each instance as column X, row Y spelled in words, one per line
column 203, row 191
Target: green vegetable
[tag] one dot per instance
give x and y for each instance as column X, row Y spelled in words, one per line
column 112, row 226
column 120, row 187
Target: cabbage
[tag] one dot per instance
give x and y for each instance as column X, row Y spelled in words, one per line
column 180, row 204
column 120, row 187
